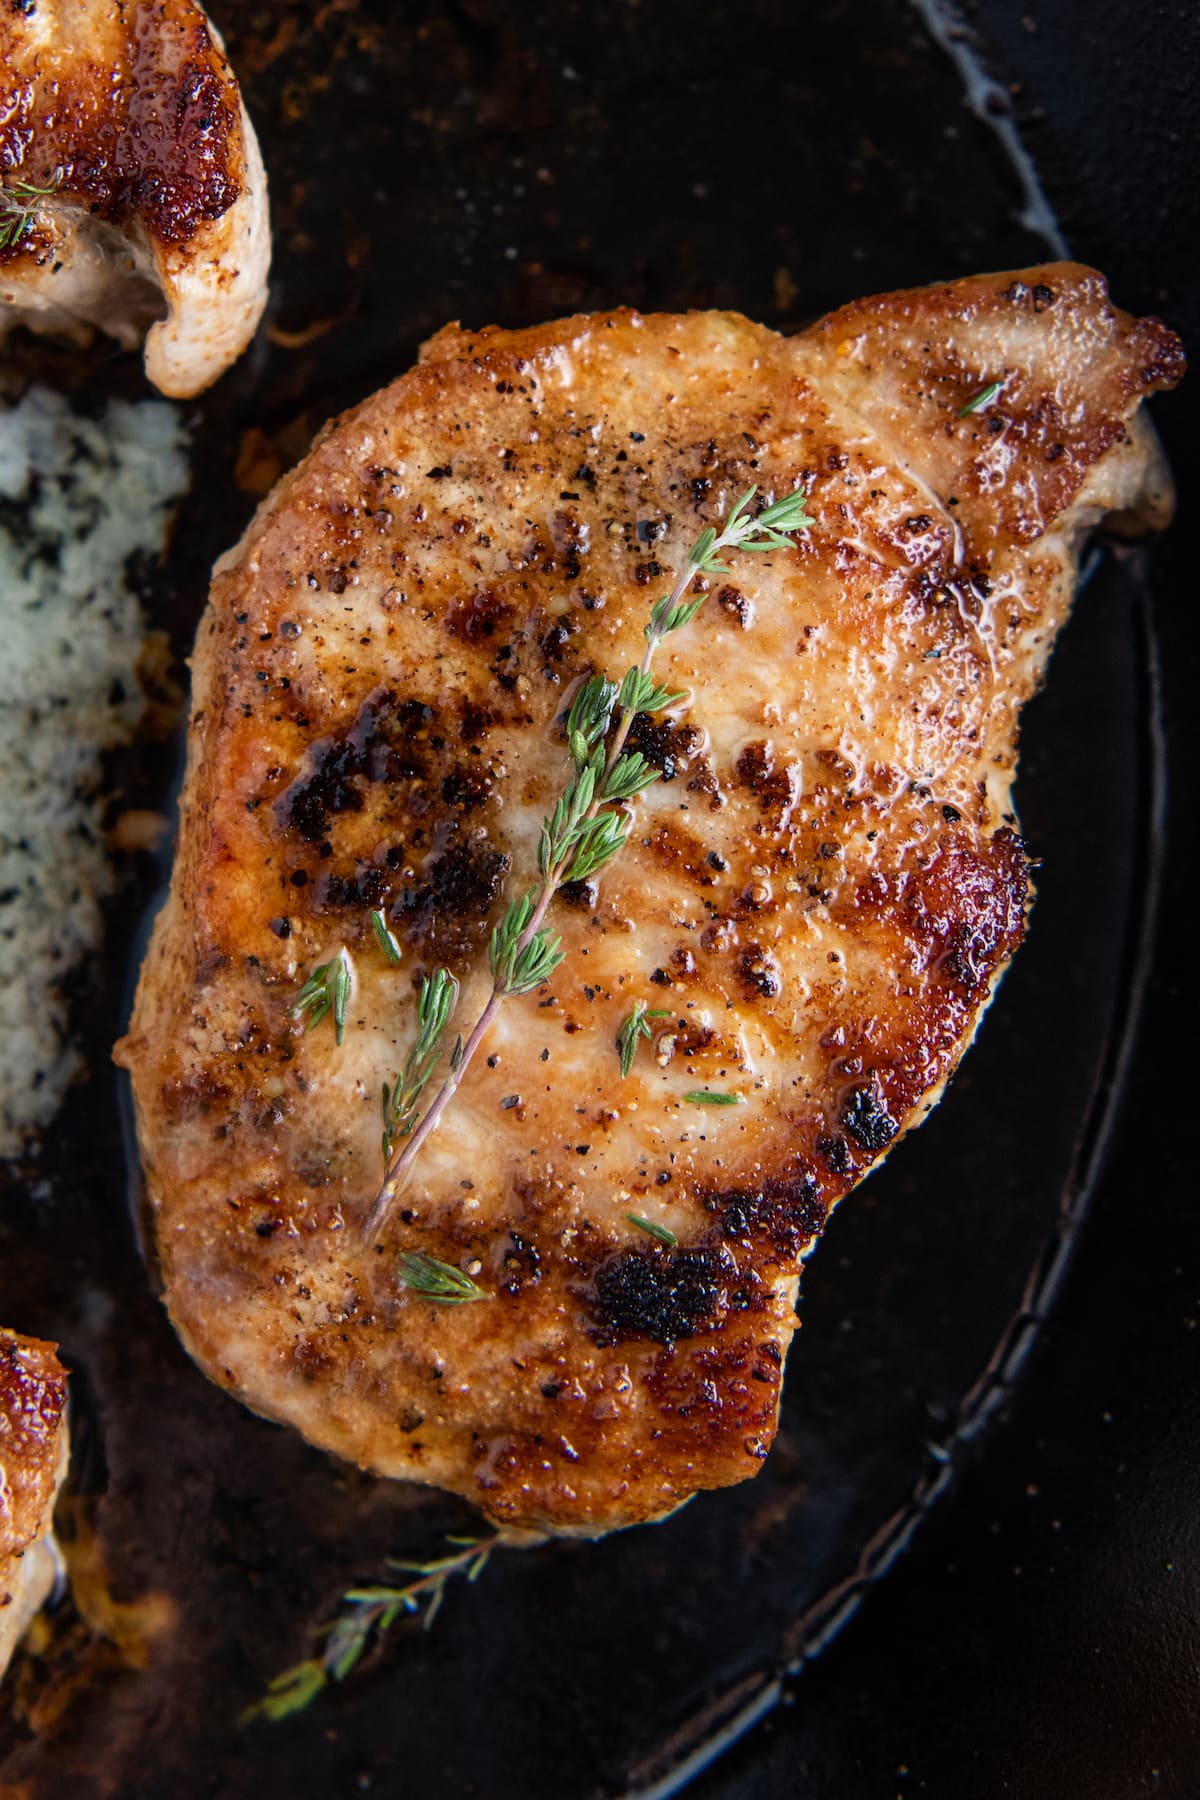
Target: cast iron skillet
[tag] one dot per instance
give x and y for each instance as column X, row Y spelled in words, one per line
column 1041, row 1639
column 513, row 162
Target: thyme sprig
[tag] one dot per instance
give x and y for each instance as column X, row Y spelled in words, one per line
column 588, row 825
column 634, row 1029
column 326, row 991
column 19, row 205
column 370, row 1612
column 435, row 1005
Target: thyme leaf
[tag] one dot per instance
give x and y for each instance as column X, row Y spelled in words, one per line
column 669, row 615
column 369, row 1613
column 628, row 776
column 663, row 1233
column 521, row 961
column 386, row 938
column 289, row 1692
column 438, row 1280
column 634, row 1029
column 435, row 1008
column 326, row 991
column 589, row 717
column 639, row 693
column 19, row 206
column 982, row 399
column 710, row 1097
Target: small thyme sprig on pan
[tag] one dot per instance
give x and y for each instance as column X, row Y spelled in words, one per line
column 326, row 991
column 585, row 830
column 371, row 1611
column 634, row 1029
column 19, row 205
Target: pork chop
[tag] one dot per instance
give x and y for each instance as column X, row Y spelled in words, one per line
column 818, row 897
column 34, row 1448
column 132, row 192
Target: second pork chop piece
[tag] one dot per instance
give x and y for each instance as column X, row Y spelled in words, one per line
column 34, row 1451
column 132, row 192
column 818, row 897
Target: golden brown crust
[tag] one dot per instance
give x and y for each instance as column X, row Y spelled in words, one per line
column 145, row 117
column 822, row 892
column 1072, row 368
column 33, row 1400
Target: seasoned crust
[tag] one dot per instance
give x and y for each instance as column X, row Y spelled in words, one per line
column 33, row 1459
column 1072, row 368
column 823, row 891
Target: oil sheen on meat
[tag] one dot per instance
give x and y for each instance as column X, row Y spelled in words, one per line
column 820, row 895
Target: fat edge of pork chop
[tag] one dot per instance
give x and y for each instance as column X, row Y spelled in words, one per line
column 34, row 1449
column 124, row 138
column 820, row 895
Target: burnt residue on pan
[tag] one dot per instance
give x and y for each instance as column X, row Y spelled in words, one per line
column 510, row 162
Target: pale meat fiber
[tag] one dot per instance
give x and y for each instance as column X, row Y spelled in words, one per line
column 132, row 191
column 821, row 892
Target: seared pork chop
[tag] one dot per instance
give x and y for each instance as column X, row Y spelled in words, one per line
column 820, row 895
column 132, row 192
column 34, row 1447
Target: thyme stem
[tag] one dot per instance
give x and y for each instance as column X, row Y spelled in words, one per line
column 401, row 1164
column 551, row 882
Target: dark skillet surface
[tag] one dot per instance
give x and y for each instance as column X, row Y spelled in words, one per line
column 660, row 157
column 1042, row 1640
